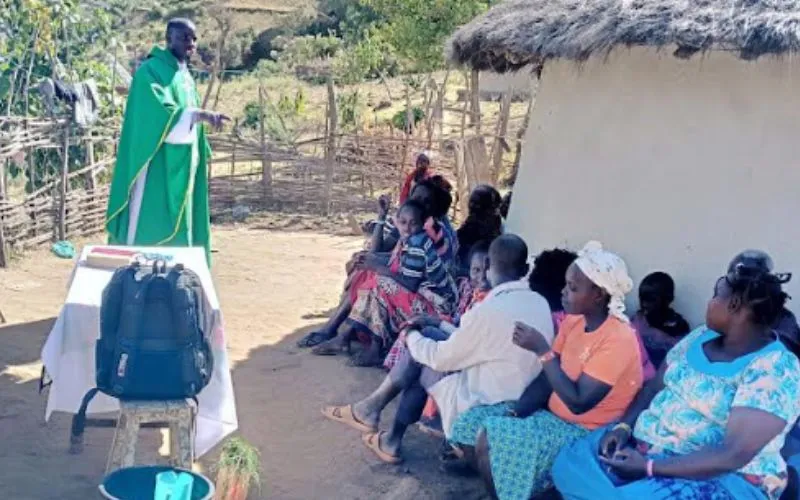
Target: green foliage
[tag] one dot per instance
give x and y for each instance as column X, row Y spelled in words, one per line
column 350, row 107
column 282, row 121
column 417, row 29
column 400, row 119
column 242, row 459
column 38, row 36
column 370, row 58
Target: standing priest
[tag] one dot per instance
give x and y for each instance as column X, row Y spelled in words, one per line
column 159, row 192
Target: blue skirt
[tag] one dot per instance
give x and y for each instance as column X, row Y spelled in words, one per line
column 578, row 475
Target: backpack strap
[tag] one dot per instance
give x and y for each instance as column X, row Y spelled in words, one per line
column 79, row 423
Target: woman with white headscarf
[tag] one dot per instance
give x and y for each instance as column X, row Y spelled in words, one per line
column 589, row 377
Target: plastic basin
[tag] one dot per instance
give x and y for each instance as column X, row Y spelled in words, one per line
column 139, row 483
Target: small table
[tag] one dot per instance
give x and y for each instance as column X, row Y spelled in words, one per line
column 69, row 358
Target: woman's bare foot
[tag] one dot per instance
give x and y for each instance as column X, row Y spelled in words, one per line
column 365, row 413
column 335, row 346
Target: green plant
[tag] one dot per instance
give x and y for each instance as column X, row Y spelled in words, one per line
column 281, row 120
column 417, row 29
column 350, row 106
column 370, row 58
column 400, row 119
column 238, row 469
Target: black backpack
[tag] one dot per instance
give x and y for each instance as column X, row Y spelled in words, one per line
column 152, row 343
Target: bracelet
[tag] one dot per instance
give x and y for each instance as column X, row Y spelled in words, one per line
column 650, row 467
column 548, row 356
column 623, row 426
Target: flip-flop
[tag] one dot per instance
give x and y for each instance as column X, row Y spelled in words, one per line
column 313, row 339
column 373, row 442
column 344, row 415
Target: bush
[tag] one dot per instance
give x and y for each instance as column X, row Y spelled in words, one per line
column 369, row 59
column 281, row 121
column 400, row 119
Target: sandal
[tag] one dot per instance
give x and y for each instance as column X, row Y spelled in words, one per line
column 344, row 415
column 373, row 442
column 313, row 339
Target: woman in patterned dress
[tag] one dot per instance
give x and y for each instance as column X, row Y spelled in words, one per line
column 413, row 282
column 712, row 423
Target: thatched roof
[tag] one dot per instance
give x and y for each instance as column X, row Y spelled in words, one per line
column 517, row 33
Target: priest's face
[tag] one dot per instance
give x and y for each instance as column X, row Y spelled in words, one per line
column 182, row 41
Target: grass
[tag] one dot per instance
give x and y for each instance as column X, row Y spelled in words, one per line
column 239, row 459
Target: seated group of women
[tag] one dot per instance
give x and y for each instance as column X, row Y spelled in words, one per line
column 415, row 264
column 609, row 407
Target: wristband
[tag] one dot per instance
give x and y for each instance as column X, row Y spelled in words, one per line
column 548, row 356
column 650, row 467
column 623, row 426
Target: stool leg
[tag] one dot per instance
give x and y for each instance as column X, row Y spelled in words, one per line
column 123, row 449
column 181, row 438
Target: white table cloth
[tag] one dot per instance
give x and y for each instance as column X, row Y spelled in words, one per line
column 69, row 352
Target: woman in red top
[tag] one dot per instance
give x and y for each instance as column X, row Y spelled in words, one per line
column 421, row 172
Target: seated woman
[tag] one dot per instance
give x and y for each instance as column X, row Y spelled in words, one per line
column 475, row 364
column 471, row 290
column 712, row 423
column 589, row 378
column 413, row 282
column 658, row 325
column 549, row 279
column 433, row 195
column 483, row 222
column 785, row 324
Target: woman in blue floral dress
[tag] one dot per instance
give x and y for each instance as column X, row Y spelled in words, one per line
column 712, row 423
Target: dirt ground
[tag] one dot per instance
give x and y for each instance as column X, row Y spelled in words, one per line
column 274, row 286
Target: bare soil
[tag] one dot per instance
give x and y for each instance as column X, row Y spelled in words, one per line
column 274, row 286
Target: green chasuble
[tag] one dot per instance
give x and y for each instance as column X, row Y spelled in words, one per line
column 159, row 192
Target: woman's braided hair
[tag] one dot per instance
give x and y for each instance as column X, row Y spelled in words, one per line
column 760, row 289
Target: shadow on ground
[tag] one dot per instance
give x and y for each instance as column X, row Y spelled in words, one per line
column 320, row 458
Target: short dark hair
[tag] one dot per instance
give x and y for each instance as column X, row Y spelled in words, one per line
column 179, row 22
column 416, row 208
column 484, row 199
column 662, row 283
column 441, row 200
column 479, row 247
column 549, row 275
column 508, row 254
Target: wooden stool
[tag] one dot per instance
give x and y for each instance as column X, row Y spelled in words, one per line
column 180, row 415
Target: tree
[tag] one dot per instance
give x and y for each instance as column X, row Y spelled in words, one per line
column 417, row 29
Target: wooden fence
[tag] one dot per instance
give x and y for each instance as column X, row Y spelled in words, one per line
column 334, row 173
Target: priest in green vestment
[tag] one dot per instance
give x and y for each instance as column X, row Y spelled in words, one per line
column 159, row 191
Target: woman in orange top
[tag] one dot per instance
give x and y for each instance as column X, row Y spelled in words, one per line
column 589, row 378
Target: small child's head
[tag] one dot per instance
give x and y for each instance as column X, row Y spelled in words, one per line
column 548, row 277
column 478, row 265
column 656, row 293
column 411, row 218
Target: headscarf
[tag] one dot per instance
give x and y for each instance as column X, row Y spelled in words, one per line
column 608, row 271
